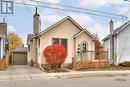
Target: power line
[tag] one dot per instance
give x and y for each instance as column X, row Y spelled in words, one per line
column 128, row 10
column 27, row 7
column 78, row 8
column 32, row 14
column 127, row 35
column 69, row 10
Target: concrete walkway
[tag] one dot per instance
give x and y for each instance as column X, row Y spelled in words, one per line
column 15, row 73
column 21, row 72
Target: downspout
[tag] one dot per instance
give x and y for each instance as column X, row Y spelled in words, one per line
column 74, row 46
column 41, row 67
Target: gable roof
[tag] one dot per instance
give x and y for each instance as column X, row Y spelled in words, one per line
column 118, row 30
column 61, row 21
column 29, row 37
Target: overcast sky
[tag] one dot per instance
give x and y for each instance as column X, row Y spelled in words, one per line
column 22, row 21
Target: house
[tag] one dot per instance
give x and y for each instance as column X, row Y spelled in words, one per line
column 118, row 43
column 3, row 36
column 66, row 32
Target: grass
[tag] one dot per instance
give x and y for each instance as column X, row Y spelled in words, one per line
column 110, row 68
column 117, row 67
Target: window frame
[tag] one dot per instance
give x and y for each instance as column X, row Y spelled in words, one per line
column 60, row 42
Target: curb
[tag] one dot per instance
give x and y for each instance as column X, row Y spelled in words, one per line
column 93, row 73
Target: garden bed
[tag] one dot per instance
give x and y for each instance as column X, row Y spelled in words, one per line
column 110, row 68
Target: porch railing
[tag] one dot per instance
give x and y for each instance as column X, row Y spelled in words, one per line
column 91, row 56
column 90, row 59
column 5, row 61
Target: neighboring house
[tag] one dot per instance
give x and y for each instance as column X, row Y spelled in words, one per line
column 3, row 36
column 120, row 43
column 66, row 32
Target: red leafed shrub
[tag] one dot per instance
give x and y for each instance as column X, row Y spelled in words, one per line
column 55, row 54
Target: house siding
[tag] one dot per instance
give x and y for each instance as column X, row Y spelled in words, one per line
column 3, row 35
column 123, row 48
column 65, row 30
column 84, row 37
column 121, row 45
column 2, row 47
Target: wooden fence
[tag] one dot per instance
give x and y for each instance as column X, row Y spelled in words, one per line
column 90, row 60
column 5, row 61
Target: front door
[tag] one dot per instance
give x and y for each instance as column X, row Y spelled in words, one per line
column 84, row 48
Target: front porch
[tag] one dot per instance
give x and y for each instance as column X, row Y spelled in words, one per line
column 90, row 60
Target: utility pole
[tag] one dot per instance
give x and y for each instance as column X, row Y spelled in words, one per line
column 112, row 59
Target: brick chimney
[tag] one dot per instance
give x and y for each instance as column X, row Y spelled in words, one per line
column 36, row 23
column 35, row 39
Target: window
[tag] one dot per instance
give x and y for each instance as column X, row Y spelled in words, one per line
column 64, row 43
column 84, row 48
column 29, row 48
column 56, row 40
column 60, row 41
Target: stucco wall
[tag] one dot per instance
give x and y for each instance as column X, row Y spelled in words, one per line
column 65, row 30
column 29, row 53
column 84, row 37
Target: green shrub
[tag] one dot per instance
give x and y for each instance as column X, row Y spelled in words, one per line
column 125, row 64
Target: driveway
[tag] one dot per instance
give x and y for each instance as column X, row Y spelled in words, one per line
column 21, row 72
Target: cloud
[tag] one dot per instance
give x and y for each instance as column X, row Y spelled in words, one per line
column 99, row 3
column 51, row 1
column 125, row 10
column 91, row 24
column 48, row 20
column 36, row 1
column 11, row 28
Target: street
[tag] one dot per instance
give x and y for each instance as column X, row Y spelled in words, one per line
column 95, row 81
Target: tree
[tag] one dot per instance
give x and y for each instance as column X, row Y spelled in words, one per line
column 97, row 47
column 14, row 41
column 55, row 55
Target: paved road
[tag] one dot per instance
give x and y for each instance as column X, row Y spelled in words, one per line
column 97, row 81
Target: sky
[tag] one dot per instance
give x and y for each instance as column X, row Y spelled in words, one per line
column 22, row 21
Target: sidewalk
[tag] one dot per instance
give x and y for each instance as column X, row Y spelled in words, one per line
column 27, row 73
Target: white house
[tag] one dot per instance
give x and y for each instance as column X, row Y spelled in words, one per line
column 3, row 35
column 66, row 32
column 120, row 43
